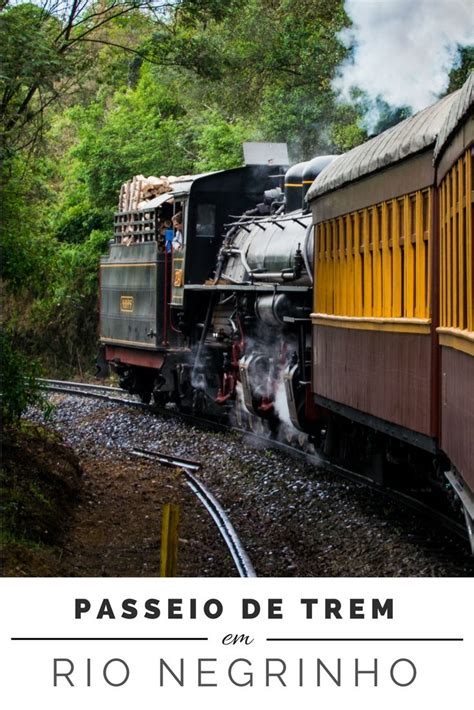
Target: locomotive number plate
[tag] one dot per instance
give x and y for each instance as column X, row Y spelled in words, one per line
column 126, row 304
column 178, row 278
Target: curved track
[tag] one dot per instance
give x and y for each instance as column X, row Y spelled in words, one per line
column 109, row 394
column 211, row 504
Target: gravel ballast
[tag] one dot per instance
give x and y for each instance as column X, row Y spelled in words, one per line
column 294, row 519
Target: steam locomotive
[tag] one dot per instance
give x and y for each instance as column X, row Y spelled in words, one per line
column 333, row 299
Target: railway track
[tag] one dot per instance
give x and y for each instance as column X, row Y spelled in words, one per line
column 189, row 467
column 316, row 459
column 85, row 389
column 398, row 496
column 211, row 504
column 116, row 395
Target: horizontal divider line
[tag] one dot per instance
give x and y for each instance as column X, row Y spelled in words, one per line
column 365, row 639
column 109, row 638
column 202, row 638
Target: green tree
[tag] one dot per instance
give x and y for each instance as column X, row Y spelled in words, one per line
column 25, row 252
column 50, row 49
column 95, row 91
column 463, row 66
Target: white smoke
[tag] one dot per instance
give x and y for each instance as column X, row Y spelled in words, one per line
column 404, row 49
column 280, row 402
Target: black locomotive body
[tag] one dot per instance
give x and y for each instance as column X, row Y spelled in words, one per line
column 225, row 314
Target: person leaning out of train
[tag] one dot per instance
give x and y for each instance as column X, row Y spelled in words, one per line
column 165, row 235
column 178, row 231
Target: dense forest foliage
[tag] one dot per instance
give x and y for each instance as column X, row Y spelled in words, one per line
column 93, row 92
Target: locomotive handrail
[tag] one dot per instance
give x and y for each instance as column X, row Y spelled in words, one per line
column 271, row 219
column 305, row 252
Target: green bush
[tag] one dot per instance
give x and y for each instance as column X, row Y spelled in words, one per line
column 19, row 387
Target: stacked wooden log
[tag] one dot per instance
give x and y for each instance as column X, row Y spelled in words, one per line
column 136, row 192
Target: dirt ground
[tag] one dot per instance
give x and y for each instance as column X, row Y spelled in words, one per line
column 293, row 518
column 115, row 529
column 98, row 517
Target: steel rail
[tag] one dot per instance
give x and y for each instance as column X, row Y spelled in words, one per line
column 211, row 504
column 316, row 459
column 397, row 496
column 83, row 389
column 81, row 385
column 168, row 459
column 86, row 390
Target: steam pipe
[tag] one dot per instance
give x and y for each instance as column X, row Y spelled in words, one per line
column 281, row 276
column 285, row 274
column 232, row 231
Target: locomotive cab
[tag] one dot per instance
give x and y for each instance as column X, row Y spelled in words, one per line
column 150, row 321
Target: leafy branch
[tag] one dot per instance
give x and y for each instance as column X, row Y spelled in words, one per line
column 42, row 46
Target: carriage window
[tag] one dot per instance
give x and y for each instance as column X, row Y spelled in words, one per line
column 206, row 221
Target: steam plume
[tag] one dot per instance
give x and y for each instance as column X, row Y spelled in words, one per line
column 403, row 49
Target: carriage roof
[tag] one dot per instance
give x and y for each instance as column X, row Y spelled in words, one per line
column 407, row 138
